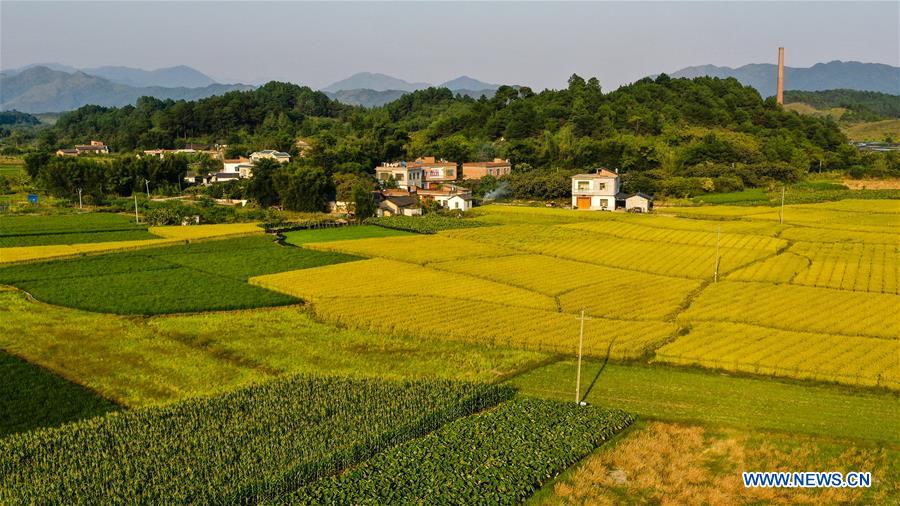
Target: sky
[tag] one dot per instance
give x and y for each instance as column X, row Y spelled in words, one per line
column 529, row 43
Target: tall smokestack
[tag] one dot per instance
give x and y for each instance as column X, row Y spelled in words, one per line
column 779, row 96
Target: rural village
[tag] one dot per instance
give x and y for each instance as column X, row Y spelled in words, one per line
column 674, row 287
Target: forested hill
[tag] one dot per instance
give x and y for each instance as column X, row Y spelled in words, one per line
column 656, row 129
column 865, row 105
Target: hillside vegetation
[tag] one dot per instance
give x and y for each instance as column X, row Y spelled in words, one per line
column 675, row 136
column 857, row 105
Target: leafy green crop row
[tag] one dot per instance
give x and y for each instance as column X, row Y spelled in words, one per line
column 66, row 224
column 191, row 277
column 31, row 397
column 242, row 447
column 427, row 224
column 498, row 457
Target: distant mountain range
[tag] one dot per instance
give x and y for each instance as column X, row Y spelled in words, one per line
column 849, row 75
column 374, row 90
column 180, row 76
column 38, row 89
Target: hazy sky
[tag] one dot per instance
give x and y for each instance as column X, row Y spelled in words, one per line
column 536, row 44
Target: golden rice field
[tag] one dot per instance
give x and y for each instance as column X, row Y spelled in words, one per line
column 420, row 249
column 681, row 236
column 802, row 308
column 823, row 308
column 169, row 235
column 495, row 324
column 194, row 232
column 367, row 279
column 864, row 361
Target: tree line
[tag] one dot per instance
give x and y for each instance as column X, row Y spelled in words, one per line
column 674, row 136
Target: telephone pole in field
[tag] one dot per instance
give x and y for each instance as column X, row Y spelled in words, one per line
column 781, row 216
column 716, row 272
column 581, row 318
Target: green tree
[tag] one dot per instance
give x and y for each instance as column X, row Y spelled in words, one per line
column 363, row 202
column 261, row 186
column 302, row 188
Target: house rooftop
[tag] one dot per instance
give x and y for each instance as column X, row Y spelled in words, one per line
column 402, row 201
column 641, row 194
column 601, row 173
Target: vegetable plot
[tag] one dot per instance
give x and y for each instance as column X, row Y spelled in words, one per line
column 498, row 457
column 243, row 447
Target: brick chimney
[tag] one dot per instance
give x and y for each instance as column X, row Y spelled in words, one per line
column 779, row 95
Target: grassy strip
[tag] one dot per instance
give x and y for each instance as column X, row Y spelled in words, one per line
column 158, row 360
column 31, row 397
column 667, row 463
column 428, row 224
column 498, row 457
column 668, row 393
column 26, row 225
column 300, row 237
column 241, row 447
column 75, row 238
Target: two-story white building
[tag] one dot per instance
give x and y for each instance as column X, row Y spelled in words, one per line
column 407, row 176
column 595, row 191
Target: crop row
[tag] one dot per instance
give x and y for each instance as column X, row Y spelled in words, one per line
column 798, row 308
column 419, row 249
column 498, row 457
column 829, row 235
column 781, row 268
column 169, row 235
column 698, row 262
column 861, row 361
column 552, row 276
column 631, row 297
column 242, row 447
column 429, row 224
column 495, row 324
column 365, row 279
column 628, row 230
column 677, row 260
column 860, row 267
column 27, row 225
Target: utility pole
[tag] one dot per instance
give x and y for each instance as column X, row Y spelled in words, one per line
column 781, row 216
column 718, row 235
column 80, row 206
column 582, row 318
column 136, row 220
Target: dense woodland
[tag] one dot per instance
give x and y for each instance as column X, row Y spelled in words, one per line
column 859, row 105
column 667, row 136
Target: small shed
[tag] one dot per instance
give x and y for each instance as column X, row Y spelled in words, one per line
column 459, row 202
column 639, row 203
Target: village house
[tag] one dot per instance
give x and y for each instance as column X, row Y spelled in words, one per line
column 477, row 170
column 435, row 171
column 278, row 156
column 190, row 149
column 406, row 176
column 448, row 196
column 242, row 166
column 639, row 203
column 399, row 206
column 595, row 191
column 94, row 148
